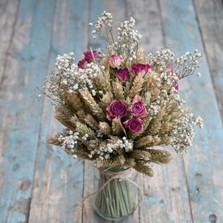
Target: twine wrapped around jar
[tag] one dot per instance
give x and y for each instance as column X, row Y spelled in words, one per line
column 115, row 196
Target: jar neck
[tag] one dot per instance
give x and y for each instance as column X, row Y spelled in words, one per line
column 116, row 168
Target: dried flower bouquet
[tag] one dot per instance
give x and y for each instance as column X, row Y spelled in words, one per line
column 118, row 106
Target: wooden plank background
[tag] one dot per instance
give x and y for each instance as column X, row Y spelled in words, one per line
column 40, row 183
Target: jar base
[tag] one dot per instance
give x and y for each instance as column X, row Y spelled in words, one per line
column 100, row 214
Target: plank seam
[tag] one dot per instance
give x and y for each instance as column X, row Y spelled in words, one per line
column 40, row 127
column 143, row 188
column 83, row 189
column 10, row 43
column 161, row 23
column 88, row 29
column 205, row 49
column 188, row 194
column 126, row 8
column 184, row 168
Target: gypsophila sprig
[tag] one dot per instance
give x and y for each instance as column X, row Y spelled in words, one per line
column 118, row 105
column 103, row 27
column 128, row 39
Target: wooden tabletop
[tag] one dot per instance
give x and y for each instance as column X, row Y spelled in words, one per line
column 40, row 183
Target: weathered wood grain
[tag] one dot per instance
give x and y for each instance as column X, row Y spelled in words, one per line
column 58, row 182
column 210, row 17
column 204, row 162
column 40, row 183
column 166, row 193
column 97, row 7
column 20, row 119
column 8, row 15
column 148, row 22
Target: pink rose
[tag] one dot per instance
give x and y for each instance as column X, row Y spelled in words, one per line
column 116, row 109
column 90, row 55
column 137, row 107
column 123, row 74
column 134, row 124
column 140, row 68
column 114, row 60
column 82, row 64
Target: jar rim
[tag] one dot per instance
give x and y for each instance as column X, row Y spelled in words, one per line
column 115, row 168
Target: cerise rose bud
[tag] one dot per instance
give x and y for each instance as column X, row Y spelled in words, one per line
column 116, row 109
column 114, row 60
column 90, row 55
column 137, row 107
column 82, row 64
column 134, row 124
column 123, row 74
column 140, row 68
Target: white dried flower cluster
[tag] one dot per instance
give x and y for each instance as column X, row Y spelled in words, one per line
column 91, row 71
column 197, row 120
column 180, row 102
column 184, row 66
column 63, row 76
column 85, row 137
column 190, row 63
column 71, row 76
column 103, row 22
column 69, row 141
column 183, row 132
column 52, row 84
column 64, row 62
column 162, row 57
column 169, row 77
column 67, row 71
column 127, row 144
column 154, row 108
column 128, row 38
column 105, row 152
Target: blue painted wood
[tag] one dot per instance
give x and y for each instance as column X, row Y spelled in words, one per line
column 58, row 184
column 8, row 15
column 204, row 162
column 46, row 28
column 26, row 66
column 210, row 19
